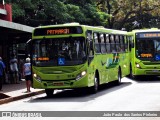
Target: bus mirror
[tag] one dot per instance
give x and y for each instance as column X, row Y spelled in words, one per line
column 29, row 42
column 28, row 47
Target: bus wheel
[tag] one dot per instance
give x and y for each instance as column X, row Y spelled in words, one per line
column 94, row 89
column 131, row 74
column 119, row 77
column 49, row 92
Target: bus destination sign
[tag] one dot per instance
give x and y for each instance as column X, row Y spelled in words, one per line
column 148, row 35
column 57, row 31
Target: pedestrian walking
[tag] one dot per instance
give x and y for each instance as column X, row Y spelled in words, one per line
column 14, row 69
column 2, row 72
column 27, row 74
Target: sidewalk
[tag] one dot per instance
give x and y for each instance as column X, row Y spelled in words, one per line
column 13, row 92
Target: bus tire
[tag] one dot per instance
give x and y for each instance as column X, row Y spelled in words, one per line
column 119, row 77
column 49, row 92
column 131, row 73
column 95, row 88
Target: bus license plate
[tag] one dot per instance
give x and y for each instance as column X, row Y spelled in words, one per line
column 58, row 83
column 155, row 71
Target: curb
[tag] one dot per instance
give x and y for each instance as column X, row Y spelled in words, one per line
column 10, row 99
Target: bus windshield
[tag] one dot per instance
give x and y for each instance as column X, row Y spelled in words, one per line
column 148, row 49
column 59, row 51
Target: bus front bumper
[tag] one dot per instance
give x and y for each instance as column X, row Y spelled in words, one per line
column 60, row 84
column 155, row 72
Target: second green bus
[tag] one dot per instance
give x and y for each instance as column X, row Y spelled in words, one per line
column 145, row 52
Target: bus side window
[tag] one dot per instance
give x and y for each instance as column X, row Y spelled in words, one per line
column 122, row 43
column 97, row 43
column 113, row 47
column 126, row 44
column 131, row 43
column 90, row 51
column 103, row 41
column 117, row 43
column 108, row 47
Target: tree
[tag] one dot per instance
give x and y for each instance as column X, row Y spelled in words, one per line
column 124, row 13
column 42, row 12
column 115, row 14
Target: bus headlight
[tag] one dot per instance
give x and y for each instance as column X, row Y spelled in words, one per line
column 137, row 65
column 83, row 73
column 37, row 77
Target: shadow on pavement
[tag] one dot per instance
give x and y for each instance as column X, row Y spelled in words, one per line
column 13, row 87
column 83, row 95
column 146, row 79
column 3, row 96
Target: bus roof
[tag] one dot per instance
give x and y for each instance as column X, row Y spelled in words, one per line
column 85, row 26
column 145, row 30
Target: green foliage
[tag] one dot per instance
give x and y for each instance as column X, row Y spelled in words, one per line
column 124, row 13
column 17, row 12
column 42, row 12
column 75, row 13
column 109, row 13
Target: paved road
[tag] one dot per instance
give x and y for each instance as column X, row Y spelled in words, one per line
column 131, row 95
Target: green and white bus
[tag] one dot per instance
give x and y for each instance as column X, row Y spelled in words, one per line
column 70, row 56
column 145, row 52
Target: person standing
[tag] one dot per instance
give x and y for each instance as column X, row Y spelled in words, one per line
column 2, row 72
column 14, row 69
column 27, row 74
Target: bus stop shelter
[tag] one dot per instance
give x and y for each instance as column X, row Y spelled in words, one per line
column 13, row 37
